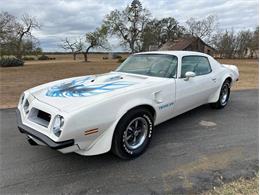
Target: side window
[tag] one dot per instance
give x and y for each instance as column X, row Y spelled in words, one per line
column 198, row 64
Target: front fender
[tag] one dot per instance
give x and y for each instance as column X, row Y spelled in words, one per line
column 135, row 103
column 104, row 142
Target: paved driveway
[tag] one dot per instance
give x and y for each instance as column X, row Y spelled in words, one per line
column 190, row 153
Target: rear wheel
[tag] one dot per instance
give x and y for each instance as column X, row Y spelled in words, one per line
column 223, row 96
column 133, row 134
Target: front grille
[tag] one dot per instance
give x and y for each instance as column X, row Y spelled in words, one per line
column 40, row 117
column 44, row 115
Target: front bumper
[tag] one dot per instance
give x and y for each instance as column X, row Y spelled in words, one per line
column 41, row 137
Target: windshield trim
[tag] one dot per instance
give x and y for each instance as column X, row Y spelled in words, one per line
column 142, row 75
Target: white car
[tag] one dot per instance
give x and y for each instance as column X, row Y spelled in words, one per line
column 118, row 110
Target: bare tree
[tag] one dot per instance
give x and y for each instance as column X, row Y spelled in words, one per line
column 7, row 33
column 7, row 26
column 30, row 46
column 201, row 28
column 15, row 36
column 128, row 25
column 225, row 43
column 75, row 46
column 244, row 38
column 24, row 28
column 254, row 44
column 96, row 39
column 241, row 44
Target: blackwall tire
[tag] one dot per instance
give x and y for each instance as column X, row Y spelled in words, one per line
column 133, row 134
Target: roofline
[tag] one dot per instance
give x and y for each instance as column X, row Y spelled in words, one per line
column 193, row 38
column 173, row 52
column 207, row 44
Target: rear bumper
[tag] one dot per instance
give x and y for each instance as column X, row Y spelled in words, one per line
column 41, row 137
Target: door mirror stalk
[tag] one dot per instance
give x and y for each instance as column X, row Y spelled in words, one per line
column 189, row 75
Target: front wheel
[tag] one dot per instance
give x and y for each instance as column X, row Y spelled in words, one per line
column 223, row 96
column 133, row 134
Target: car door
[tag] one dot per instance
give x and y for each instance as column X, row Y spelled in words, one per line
column 194, row 91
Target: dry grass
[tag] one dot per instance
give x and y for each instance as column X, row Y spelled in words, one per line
column 239, row 187
column 17, row 79
column 248, row 70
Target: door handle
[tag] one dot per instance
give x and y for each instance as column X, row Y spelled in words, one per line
column 214, row 79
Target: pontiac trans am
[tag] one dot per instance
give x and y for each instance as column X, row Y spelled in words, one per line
column 118, row 110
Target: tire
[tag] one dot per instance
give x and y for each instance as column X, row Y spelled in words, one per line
column 223, row 96
column 133, row 134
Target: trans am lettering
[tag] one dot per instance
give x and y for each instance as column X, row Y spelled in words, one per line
column 166, row 106
column 84, row 88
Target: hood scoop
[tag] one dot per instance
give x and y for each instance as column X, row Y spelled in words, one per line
column 107, row 78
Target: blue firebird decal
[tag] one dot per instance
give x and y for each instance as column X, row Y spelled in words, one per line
column 85, row 88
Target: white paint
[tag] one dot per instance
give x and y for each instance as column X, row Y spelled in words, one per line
column 103, row 111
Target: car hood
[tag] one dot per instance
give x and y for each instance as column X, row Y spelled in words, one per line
column 73, row 93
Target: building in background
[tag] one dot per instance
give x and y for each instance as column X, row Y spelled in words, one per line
column 189, row 43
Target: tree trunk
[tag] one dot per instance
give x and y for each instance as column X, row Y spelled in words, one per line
column 86, row 53
column 19, row 47
column 19, row 52
column 132, row 47
column 74, row 56
column 85, row 57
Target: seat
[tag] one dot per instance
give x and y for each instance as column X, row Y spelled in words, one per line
column 160, row 69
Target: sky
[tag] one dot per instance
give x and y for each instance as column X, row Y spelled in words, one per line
column 73, row 18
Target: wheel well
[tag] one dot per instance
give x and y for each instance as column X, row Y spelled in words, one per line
column 229, row 79
column 145, row 106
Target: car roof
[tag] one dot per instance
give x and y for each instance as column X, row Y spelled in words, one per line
column 176, row 53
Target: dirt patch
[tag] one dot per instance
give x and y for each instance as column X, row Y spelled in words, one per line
column 240, row 187
column 17, row 79
column 212, row 174
column 215, row 161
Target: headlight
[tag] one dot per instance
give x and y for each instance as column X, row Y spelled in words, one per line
column 57, row 125
column 21, row 99
column 26, row 107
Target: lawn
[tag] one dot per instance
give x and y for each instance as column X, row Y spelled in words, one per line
column 15, row 80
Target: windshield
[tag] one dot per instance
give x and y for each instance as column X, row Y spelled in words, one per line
column 158, row 65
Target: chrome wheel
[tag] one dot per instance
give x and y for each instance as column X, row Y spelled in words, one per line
column 224, row 95
column 135, row 133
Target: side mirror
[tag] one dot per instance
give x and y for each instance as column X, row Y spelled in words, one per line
column 189, row 75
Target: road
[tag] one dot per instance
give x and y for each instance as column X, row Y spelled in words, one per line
column 188, row 154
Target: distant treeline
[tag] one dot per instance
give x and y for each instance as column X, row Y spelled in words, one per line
column 136, row 30
column 70, row 53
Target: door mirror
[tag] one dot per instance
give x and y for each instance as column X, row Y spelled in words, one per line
column 188, row 75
